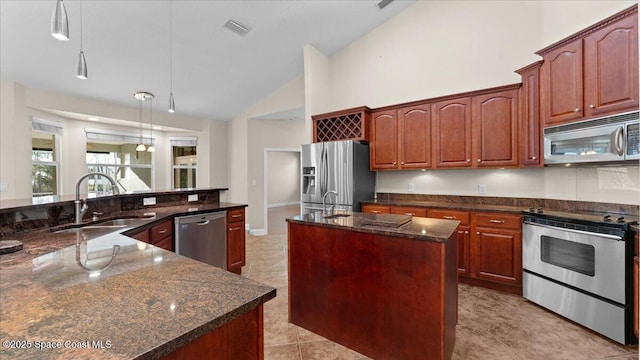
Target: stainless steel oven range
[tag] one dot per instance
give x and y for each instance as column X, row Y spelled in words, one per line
column 580, row 266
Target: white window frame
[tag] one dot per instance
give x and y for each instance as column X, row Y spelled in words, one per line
column 54, row 128
column 183, row 141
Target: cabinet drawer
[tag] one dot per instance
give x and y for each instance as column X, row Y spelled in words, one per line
column 497, row 220
column 462, row 216
column 409, row 210
column 376, row 209
column 165, row 243
column 161, row 231
column 142, row 236
column 235, row 215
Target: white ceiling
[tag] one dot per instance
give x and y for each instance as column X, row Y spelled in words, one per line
column 216, row 73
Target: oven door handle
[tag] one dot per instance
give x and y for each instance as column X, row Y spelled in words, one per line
column 581, row 232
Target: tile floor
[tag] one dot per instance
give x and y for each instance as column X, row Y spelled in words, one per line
column 491, row 325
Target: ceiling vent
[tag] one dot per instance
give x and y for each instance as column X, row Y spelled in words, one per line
column 237, row 28
column 383, row 3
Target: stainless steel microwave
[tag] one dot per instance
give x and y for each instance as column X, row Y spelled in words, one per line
column 611, row 139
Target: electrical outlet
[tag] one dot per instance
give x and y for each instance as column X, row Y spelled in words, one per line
column 192, row 197
column 4, row 186
column 482, row 189
column 411, row 187
column 149, row 201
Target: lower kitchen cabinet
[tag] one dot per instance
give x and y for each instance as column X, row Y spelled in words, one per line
column 235, row 240
column 464, row 236
column 409, row 210
column 496, row 250
column 160, row 235
column 636, row 278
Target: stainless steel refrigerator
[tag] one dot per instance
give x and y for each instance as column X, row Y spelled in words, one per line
column 342, row 166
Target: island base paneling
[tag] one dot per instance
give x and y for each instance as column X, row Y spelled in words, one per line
column 386, row 297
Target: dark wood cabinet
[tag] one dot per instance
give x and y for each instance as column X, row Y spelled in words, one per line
column 531, row 144
column 611, row 68
column 636, row 280
column 376, row 209
column 384, row 140
column 401, row 138
column 236, row 240
column 349, row 124
column 452, row 133
column 593, row 72
column 562, row 85
column 464, row 236
column 495, row 129
column 496, row 249
column 160, row 235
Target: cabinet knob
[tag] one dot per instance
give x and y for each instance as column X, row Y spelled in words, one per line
column 576, row 110
column 468, row 160
column 479, row 160
column 533, row 158
column 394, row 163
column 402, row 163
column 592, row 106
column 375, row 212
column 162, row 232
column 477, row 232
column 410, row 214
column 466, row 232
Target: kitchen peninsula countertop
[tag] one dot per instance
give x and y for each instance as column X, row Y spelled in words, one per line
column 147, row 303
column 418, row 228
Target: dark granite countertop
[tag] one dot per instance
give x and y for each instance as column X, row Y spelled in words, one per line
column 417, row 228
column 145, row 304
column 449, row 205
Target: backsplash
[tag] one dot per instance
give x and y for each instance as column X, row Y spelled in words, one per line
column 524, row 203
column 25, row 218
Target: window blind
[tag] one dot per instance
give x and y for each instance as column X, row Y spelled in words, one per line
column 116, row 136
column 184, row 141
column 46, row 126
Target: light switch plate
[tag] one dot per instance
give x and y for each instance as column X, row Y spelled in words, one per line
column 4, row 186
column 149, row 201
column 411, row 187
column 192, row 197
column 482, row 189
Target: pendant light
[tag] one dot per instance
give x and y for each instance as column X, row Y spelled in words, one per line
column 151, row 148
column 172, row 103
column 81, row 70
column 140, row 146
column 60, row 22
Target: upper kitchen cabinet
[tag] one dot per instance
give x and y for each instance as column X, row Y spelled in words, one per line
column 530, row 126
column 608, row 81
column 401, row 138
column 349, row 124
column 495, row 129
column 452, row 133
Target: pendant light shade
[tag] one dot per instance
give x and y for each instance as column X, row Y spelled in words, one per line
column 140, row 146
column 60, row 22
column 81, row 70
column 145, row 96
column 172, row 104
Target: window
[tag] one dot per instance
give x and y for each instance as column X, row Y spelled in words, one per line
column 185, row 162
column 44, row 164
column 114, row 153
column 45, row 154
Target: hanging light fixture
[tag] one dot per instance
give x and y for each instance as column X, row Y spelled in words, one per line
column 172, row 103
column 143, row 96
column 60, row 22
column 151, row 148
column 81, row 70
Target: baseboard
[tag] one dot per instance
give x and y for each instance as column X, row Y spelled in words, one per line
column 257, row 232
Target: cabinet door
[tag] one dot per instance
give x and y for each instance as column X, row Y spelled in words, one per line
column 611, row 68
column 142, row 236
column 414, row 137
column 562, row 86
column 495, row 129
column 497, row 255
column 530, row 127
column 636, row 273
column 463, row 250
column 384, row 140
column 452, row 133
column 235, row 247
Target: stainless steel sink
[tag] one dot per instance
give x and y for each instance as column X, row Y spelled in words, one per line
column 335, row 216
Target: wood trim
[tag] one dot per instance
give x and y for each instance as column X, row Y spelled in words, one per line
column 593, row 28
column 341, row 112
column 529, row 67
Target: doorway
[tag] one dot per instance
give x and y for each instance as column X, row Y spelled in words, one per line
column 281, row 188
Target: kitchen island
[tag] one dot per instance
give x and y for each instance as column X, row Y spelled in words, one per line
column 375, row 283
column 112, row 297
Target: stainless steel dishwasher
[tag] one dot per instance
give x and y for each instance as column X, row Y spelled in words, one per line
column 203, row 237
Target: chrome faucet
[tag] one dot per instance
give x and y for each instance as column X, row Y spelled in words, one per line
column 324, row 205
column 81, row 205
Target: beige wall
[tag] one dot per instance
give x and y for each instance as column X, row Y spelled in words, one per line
column 19, row 104
column 437, row 48
column 283, row 177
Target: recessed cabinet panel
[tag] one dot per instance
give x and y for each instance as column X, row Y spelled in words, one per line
column 495, row 125
column 384, row 140
column 414, row 137
column 452, row 131
column 562, row 84
column 611, row 68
